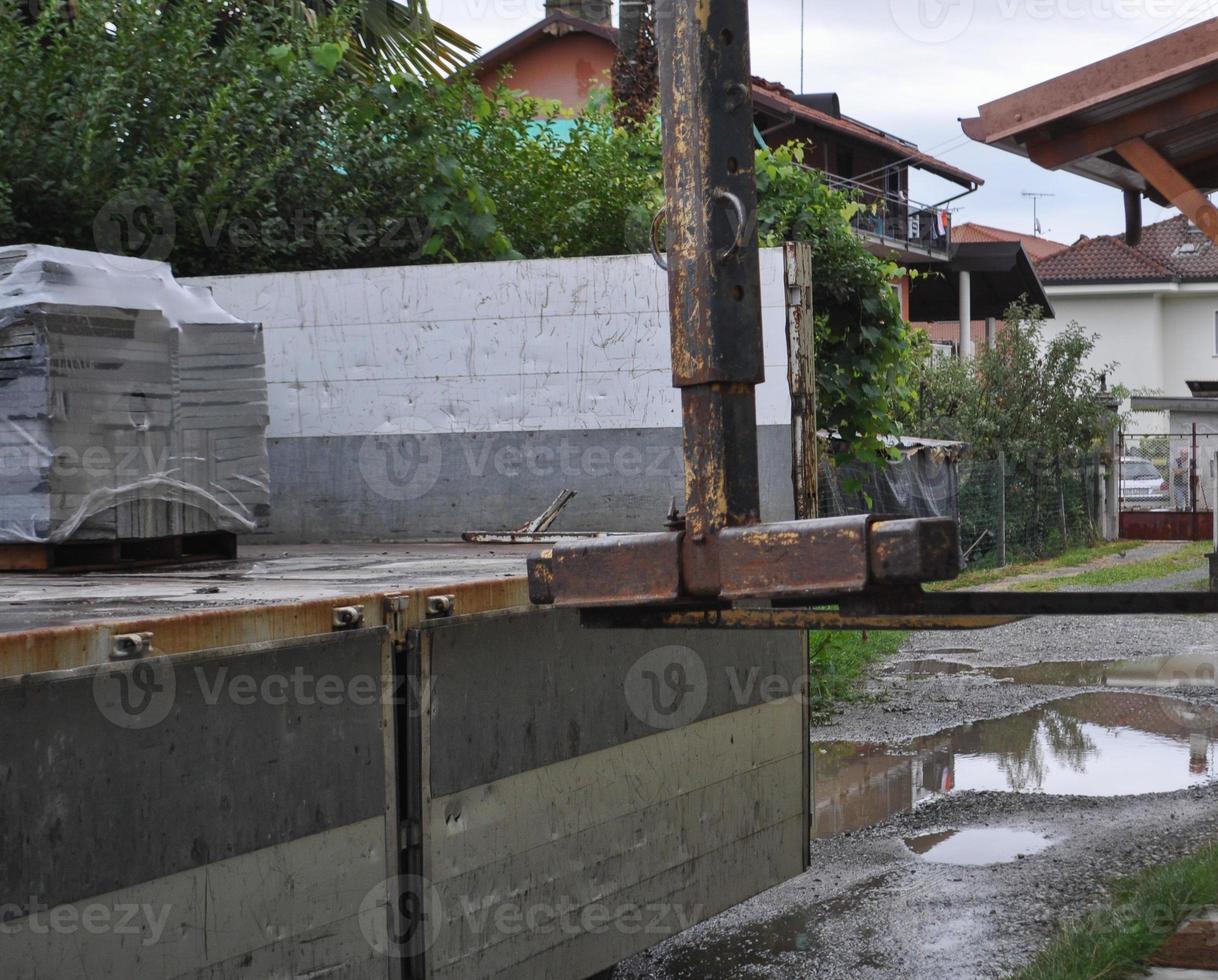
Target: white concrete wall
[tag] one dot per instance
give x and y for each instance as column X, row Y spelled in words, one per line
column 1160, row 336
column 423, row 401
column 1188, row 339
column 487, row 347
column 1130, row 329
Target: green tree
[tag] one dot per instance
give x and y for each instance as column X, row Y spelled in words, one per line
column 1034, row 399
column 1026, row 395
column 265, row 152
column 865, row 351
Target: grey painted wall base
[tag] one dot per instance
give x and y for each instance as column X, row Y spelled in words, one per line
column 413, row 487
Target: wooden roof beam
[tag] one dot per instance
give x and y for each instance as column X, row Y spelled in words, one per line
column 1102, row 137
column 1172, row 184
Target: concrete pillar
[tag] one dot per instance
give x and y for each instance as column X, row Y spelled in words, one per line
column 1214, row 505
column 966, row 316
column 1112, row 487
column 991, row 331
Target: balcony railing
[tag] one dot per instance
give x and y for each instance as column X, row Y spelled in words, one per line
column 895, row 219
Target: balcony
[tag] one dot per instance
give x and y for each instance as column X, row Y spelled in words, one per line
column 895, row 227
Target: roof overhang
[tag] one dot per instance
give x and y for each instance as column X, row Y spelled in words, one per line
column 1145, row 121
column 789, row 110
column 1166, row 403
column 555, row 24
column 999, row 272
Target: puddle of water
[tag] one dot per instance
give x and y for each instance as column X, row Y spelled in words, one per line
column 1097, row 744
column 977, row 846
column 1195, row 669
column 766, row 948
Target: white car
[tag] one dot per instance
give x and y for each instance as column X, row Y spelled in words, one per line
column 1142, row 485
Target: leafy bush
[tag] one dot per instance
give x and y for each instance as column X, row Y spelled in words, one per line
column 254, row 140
column 1035, row 400
column 1026, row 395
column 253, row 150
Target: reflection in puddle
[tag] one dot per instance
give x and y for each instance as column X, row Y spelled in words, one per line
column 977, row 846
column 1100, row 744
column 1197, row 669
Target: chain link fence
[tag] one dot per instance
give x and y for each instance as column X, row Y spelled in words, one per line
column 1010, row 508
column 1024, row 508
column 1167, row 472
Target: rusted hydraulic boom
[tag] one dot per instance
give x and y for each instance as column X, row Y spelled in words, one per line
column 723, row 552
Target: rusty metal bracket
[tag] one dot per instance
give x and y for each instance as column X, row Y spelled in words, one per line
column 799, row 561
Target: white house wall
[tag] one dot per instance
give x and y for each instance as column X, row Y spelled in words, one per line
column 1160, row 336
column 1188, row 340
column 1130, row 332
column 421, row 401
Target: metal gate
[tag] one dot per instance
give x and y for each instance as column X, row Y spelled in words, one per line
column 1167, row 485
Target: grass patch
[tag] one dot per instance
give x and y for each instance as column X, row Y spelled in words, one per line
column 1186, row 559
column 1067, row 559
column 839, row 660
column 1145, row 909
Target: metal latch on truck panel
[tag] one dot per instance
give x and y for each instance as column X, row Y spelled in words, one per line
column 130, row 646
column 347, row 617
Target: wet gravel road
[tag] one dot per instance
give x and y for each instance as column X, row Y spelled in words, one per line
column 871, row 908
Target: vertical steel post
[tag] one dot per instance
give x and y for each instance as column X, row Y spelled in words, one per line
column 801, row 377
column 714, row 273
column 1192, row 473
column 1002, row 509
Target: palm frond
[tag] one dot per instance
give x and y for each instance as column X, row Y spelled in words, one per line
column 399, row 37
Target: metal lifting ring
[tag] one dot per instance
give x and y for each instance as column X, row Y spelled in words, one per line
column 655, row 244
column 741, row 222
column 719, row 194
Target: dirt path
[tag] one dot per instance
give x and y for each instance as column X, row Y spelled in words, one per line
column 961, row 736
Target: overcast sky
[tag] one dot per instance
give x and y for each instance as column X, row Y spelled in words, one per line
column 913, row 67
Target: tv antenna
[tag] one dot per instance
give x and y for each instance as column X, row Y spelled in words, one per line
column 1036, row 196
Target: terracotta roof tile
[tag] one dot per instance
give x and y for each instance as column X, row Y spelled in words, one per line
column 1174, row 250
column 1037, row 248
column 769, row 94
column 774, row 96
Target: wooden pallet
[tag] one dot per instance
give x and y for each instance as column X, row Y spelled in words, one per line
column 81, row 556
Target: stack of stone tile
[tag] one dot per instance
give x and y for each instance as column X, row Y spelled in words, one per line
column 131, row 407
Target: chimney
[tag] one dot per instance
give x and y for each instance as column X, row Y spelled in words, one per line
column 630, row 22
column 596, row 11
